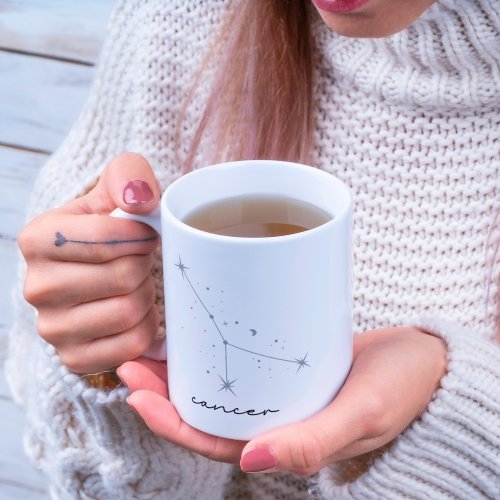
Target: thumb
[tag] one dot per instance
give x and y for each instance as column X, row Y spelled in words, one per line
column 306, row 446
column 128, row 182
column 296, row 448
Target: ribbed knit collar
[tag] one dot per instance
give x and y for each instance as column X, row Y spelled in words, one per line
column 449, row 58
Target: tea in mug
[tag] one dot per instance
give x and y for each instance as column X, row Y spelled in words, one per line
column 257, row 216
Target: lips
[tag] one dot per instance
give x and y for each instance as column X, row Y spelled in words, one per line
column 339, row 5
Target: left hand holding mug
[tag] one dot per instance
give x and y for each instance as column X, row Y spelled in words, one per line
column 394, row 375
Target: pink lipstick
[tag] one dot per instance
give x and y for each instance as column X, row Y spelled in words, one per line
column 339, row 5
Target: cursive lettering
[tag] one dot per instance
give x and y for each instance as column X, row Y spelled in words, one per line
column 236, row 411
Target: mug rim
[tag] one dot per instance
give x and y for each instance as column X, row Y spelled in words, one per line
column 336, row 219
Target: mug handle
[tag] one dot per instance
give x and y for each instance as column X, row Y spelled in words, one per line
column 152, row 219
column 157, row 350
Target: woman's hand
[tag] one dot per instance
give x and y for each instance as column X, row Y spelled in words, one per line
column 394, row 375
column 89, row 275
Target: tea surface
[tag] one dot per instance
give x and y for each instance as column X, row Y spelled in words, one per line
column 257, row 216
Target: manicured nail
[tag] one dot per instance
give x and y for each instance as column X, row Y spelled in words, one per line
column 261, row 458
column 137, row 192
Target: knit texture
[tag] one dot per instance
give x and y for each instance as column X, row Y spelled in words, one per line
column 461, row 425
column 411, row 124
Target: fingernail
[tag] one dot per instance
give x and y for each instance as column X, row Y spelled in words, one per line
column 137, row 192
column 259, row 459
column 132, row 406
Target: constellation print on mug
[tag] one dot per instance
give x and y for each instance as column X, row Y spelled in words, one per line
column 227, row 383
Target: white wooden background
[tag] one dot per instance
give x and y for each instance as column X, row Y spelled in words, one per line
column 47, row 52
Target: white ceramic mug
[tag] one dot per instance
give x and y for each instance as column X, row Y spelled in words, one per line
column 259, row 330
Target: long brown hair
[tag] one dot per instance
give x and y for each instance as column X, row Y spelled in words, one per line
column 260, row 102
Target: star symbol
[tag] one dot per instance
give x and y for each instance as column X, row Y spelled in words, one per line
column 227, row 385
column 301, row 362
column 182, row 267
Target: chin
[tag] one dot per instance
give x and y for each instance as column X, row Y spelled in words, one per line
column 363, row 28
column 357, row 33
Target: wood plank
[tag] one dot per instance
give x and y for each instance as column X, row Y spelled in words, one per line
column 40, row 100
column 73, row 30
column 17, row 474
column 18, row 170
column 13, row 491
column 8, row 272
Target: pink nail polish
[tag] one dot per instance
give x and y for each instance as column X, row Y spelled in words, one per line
column 259, row 459
column 137, row 192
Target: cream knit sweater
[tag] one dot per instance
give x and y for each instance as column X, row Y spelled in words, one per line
column 411, row 123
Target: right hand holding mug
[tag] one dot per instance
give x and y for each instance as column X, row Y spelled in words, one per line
column 394, row 375
column 89, row 275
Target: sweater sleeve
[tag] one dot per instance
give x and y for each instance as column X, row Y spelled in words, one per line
column 451, row 450
column 87, row 441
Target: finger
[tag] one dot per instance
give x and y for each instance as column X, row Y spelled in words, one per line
column 162, row 418
column 114, row 350
column 145, row 374
column 300, row 447
column 97, row 319
column 57, row 236
column 159, row 368
column 65, row 284
column 128, row 182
